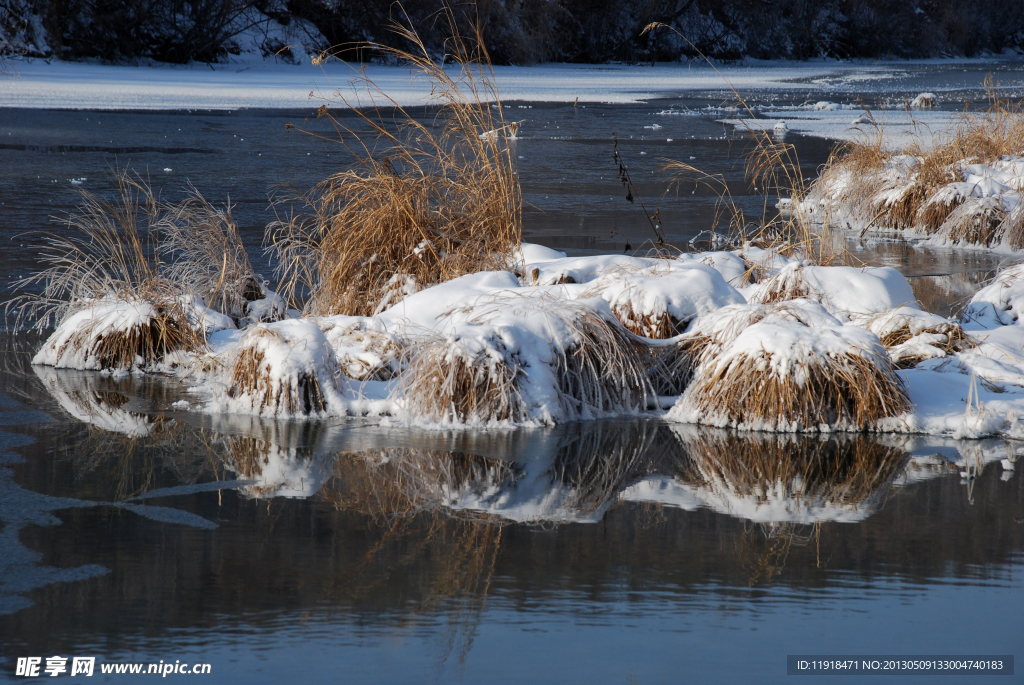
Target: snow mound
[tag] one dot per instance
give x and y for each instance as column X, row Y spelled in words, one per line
column 283, row 369
column 1000, row 303
column 844, row 291
column 659, row 301
column 912, row 336
column 121, row 336
column 781, row 374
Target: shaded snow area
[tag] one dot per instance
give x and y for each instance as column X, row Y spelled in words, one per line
column 747, row 338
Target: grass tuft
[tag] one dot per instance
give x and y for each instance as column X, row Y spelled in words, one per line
column 207, row 256
column 848, row 389
column 424, row 202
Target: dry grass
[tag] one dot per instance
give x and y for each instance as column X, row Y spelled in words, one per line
column 108, row 249
column 207, row 256
column 936, row 209
column 851, row 390
column 861, row 179
column 1013, row 226
column 424, row 201
column 602, row 371
column 711, row 335
column 670, row 368
column 957, row 339
column 952, row 336
column 657, row 326
column 976, row 221
column 252, row 376
column 788, row 284
column 383, row 362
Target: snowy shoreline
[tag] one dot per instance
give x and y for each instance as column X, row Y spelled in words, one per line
column 528, row 338
column 256, row 83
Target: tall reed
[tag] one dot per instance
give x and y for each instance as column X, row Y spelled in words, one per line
column 773, row 168
column 423, row 202
column 110, row 254
column 915, row 188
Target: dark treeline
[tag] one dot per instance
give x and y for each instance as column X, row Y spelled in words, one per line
column 522, row 31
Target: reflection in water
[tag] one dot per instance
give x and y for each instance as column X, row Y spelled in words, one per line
column 93, row 399
column 569, row 473
column 280, row 457
column 400, row 535
column 788, row 478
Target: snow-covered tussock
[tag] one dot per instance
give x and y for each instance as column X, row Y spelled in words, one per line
column 121, row 336
column 779, row 373
column 517, row 358
column 279, row 369
column 973, row 204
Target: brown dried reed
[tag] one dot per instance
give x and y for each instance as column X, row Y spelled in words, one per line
column 773, row 168
column 602, row 370
column 847, row 391
column 253, row 377
column 110, row 251
column 428, row 201
column 207, row 256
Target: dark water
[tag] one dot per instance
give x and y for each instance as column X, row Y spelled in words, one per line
column 615, row 552
column 378, row 567
column 573, row 199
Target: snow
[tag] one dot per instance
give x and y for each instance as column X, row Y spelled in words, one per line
column 72, row 345
column 522, row 328
column 271, row 307
column 845, row 291
column 250, row 82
